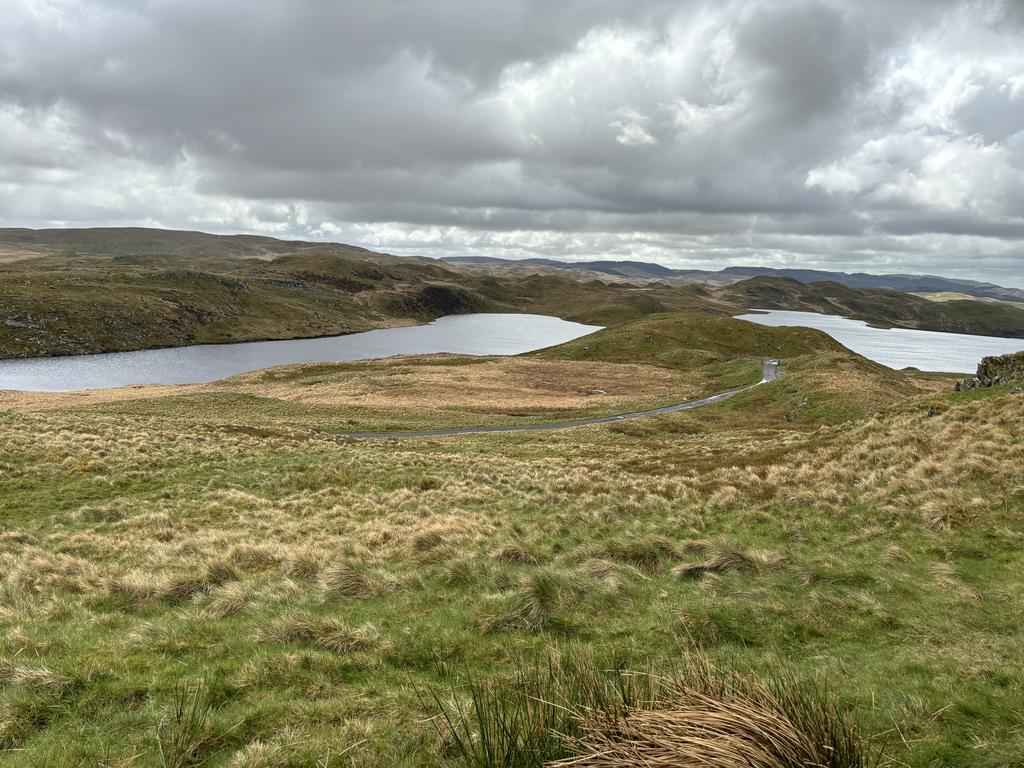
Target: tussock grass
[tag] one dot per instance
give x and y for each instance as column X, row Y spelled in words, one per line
column 575, row 711
column 183, row 731
column 252, row 557
column 647, row 555
column 813, row 544
column 597, row 568
column 281, row 751
column 723, row 556
column 218, row 572
column 34, row 677
column 516, row 554
column 347, row 580
column 133, row 589
column 539, row 603
column 463, row 572
column 304, row 565
column 229, row 599
column 181, row 588
column 896, row 554
column 331, row 634
column 259, row 754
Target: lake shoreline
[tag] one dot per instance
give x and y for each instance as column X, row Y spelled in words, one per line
column 258, row 340
column 483, row 334
column 895, row 347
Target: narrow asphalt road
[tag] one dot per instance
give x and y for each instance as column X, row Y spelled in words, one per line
column 770, row 372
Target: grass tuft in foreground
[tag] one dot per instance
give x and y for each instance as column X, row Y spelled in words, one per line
column 576, row 712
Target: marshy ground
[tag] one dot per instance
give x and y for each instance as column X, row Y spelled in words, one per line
column 206, row 576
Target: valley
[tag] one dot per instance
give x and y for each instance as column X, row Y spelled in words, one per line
column 216, row 574
column 122, row 290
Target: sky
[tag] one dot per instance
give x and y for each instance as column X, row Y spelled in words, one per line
column 878, row 135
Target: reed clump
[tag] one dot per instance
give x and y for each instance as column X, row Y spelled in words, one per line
column 575, row 711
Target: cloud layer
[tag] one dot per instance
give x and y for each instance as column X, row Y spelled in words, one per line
column 877, row 135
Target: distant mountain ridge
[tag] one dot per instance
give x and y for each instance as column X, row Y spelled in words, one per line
column 905, row 283
column 113, row 241
column 76, row 291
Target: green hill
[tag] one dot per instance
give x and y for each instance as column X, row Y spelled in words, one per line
column 878, row 306
column 690, row 339
column 99, row 304
column 98, row 290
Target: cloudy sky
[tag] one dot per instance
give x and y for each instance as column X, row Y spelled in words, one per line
column 883, row 135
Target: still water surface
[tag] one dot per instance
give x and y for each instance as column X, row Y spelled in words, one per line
column 897, row 347
column 477, row 334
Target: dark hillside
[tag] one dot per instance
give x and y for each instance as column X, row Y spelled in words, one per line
column 877, row 306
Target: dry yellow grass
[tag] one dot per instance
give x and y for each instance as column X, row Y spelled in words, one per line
column 501, row 383
column 905, row 465
column 307, row 569
column 742, row 725
column 497, row 383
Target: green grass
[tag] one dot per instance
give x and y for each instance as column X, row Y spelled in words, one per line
column 881, row 308
column 230, row 595
column 86, row 291
column 686, row 340
column 578, row 710
column 95, row 304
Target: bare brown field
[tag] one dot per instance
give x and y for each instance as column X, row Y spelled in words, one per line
column 415, row 382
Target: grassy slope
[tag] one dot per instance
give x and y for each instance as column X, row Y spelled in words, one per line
column 77, row 304
column 956, row 296
column 109, row 304
column 134, row 241
column 311, row 587
column 689, row 339
column 303, row 592
column 880, row 307
column 119, row 289
column 652, row 362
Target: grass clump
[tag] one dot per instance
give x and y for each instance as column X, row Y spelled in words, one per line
column 724, row 556
column 348, row 581
column 575, row 711
column 229, row 599
column 516, row 555
column 540, row 603
column 331, row 634
column 183, row 732
column 647, row 555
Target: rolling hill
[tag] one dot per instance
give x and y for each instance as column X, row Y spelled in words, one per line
column 879, row 306
column 648, row 270
column 85, row 291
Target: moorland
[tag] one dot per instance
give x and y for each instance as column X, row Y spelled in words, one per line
column 84, row 291
column 214, row 575
column 209, row 573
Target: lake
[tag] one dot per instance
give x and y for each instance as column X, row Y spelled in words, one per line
column 896, row 347
column 476, row 334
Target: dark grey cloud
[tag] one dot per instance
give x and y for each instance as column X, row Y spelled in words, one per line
column 875, row 135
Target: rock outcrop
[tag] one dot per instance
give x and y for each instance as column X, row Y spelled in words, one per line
column 993, row 371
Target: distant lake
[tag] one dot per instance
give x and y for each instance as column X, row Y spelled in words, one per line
column 477, row 334
column 897, row 347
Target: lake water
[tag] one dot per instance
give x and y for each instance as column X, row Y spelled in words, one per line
column 477, row 334
column 897, row 347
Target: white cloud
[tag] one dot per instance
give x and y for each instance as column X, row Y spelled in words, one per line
column 870, row 135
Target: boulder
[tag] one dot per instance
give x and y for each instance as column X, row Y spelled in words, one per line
column 995, row 370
